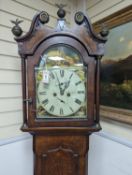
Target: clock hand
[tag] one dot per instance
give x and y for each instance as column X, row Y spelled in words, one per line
column 67, row 84
column 60, row 100
column 65, row 103
column 57, row 78
column 61, row 90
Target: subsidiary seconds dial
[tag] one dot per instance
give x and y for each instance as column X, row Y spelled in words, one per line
column 64, row 94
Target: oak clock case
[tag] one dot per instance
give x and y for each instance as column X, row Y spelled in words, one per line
column 60, row 79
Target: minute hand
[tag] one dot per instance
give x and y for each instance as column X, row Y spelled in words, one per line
column 67, row 83
column 61, row 90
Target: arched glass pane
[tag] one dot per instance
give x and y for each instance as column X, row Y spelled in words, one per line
column 61, row 84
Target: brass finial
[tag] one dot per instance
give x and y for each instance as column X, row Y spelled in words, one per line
column 79, row 18
column 44, row 17
column 104, row 30
column 16, row 30
column 61, row 12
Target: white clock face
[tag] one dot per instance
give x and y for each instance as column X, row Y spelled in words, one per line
column 64, row 94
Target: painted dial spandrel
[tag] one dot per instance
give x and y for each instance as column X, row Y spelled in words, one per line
column 63, row 93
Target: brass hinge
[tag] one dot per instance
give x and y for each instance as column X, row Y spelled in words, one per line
column 29, row 100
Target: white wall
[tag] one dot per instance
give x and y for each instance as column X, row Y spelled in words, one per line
column 16, row 156
column 10, row 68
column 109, row 155
column 98, row 9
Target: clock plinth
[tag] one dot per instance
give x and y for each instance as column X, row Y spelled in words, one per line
column 60, row 78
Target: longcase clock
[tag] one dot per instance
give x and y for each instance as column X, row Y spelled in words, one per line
column 60, row 80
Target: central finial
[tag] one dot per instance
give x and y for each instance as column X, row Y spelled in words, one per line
column 61, row 12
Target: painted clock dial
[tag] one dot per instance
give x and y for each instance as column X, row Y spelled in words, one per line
column 64, row 94
column 61, row 84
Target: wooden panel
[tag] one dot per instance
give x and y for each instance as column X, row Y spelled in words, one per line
column 65, row 155
column 10, row 90
column 98, row 8
column 7, row 62
column 67, row 2
column 10, row 62
column 22, row 11
column 103, row 9
column 7, row 48
column 10, row 94
column 63, row 162
column 10, row 118
column 10, row 104
column 18, row 9
column 5, row 18
column 10, row 131
column 40, row 6
column 5, row 34
column 10, row 76
column 92, row 3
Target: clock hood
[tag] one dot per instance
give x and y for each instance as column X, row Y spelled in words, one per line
column 82, row 32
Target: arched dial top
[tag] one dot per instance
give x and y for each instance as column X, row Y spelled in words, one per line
column 61, row 84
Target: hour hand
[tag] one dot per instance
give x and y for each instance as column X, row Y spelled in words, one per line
column 57, row 78
column 60, row 100
column 61, row 90
column 67, row 83
column 58, row 81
